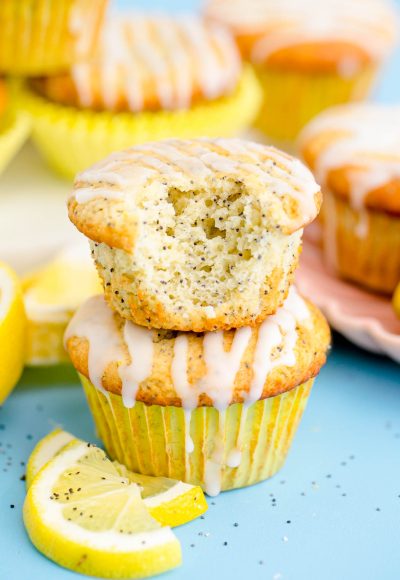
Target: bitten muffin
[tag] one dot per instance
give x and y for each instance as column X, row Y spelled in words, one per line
column 218, row 409
column 354, row 152
column 309, row 55
column 195, row 235
column 47, row 36
column 153, row 77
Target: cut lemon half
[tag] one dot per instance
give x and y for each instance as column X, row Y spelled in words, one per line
column 81, row 513
column 12, row 331
column 52, row 294
column 170, row 502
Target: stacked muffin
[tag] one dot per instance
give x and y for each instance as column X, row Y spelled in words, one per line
column 198, row 361
column 152, row 77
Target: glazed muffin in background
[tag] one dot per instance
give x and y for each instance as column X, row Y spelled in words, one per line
column 47, row 36
column 309, row 55
column 354, row 152
column 153, row 77
column 196, row 234
column 218, row 409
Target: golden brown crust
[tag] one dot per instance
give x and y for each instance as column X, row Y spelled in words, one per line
column 385, row 198
column 321, row 138
column 310, row 350
column 97, row 220
column 318, row 57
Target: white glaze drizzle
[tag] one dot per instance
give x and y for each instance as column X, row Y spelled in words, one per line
column 128, row 172
column 95, row 322
column 172, row 56
column 371, row 24
column 139, row 342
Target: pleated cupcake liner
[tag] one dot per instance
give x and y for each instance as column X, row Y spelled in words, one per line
column 72, row 139
column 45, row 343
column 14, row 131
column 240, row 447
column 291, row 99
column 362, row 246
column 41, row 37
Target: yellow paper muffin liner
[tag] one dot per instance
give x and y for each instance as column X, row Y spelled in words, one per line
column 72, row 139
column 150, row 439
column 40, row 37
column 45, row 343
column 362, row 246
column 14, row 130
column 291, row 99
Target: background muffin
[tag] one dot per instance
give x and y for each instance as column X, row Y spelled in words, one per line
column 14, row 127
column 152, row 77
column 218, row 409
column 354, row 152
column 309, row 55
column 195, row 235
column 47, row 36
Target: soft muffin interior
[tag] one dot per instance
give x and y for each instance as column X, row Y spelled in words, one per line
column 204, row 247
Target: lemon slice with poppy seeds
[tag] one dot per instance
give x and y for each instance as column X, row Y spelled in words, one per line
column 170, row 502
column 82, row 514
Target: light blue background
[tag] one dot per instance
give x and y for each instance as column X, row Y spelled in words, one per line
column 340, row 488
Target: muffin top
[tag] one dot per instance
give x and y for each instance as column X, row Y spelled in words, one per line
column 332, row 35
column 148, row 63
column 111, row 199
column 188, row 369
column 354, row 151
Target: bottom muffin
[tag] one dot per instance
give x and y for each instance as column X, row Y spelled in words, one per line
column 218, row 409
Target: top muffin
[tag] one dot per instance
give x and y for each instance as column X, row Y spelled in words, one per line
column 329, row 36
column 195, row 235
column 148, row 63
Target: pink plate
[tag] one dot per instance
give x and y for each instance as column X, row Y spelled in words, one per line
column 364, row 318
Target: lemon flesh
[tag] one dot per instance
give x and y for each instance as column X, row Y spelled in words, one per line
column 170, row 502
column 81, row 513
column 12, row 331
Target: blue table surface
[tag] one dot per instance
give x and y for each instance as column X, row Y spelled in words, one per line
column 333, row 511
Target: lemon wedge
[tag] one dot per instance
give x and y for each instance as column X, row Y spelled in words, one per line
column 51, row 295
column 81, row 513
column 396, row 301
column 12, row 331
column 170, row 502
